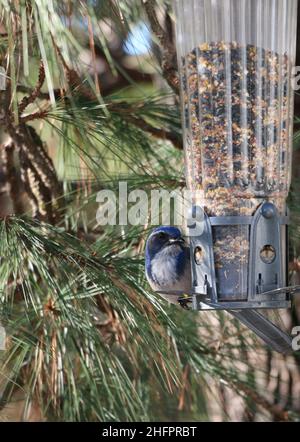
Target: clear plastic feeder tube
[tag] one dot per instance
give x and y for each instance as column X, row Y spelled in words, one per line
column 235, row 61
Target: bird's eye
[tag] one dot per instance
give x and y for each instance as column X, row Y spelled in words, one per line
column 161, row 235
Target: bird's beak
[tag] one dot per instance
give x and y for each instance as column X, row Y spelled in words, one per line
column 176, row 241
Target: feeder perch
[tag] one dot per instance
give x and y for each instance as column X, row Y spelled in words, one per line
column 235, row 62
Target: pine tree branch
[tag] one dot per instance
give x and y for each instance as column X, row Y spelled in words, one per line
column 34, row 116
column 275, row 410
column 155, row 132
column 35, row 92
column 168, row 63
column 37, row 172
column 12, row 178
column 40, row 95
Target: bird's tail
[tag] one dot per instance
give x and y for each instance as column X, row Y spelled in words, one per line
column 275, row 338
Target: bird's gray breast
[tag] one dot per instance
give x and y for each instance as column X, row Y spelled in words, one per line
column 164, row 270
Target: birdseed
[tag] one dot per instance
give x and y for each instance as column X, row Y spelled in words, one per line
column 237, row 128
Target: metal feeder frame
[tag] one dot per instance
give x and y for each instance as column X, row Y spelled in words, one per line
column 266, row 280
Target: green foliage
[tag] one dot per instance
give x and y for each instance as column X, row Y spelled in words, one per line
column 78, row 362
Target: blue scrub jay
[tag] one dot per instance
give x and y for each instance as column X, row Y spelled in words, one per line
column 168, row 270
column 167, row 263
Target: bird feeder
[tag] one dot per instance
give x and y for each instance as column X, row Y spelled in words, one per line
column 235, row 63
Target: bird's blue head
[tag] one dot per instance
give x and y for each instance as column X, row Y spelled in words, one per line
column 162, row 237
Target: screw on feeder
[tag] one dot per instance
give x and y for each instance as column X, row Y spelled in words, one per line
column 268, row 210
